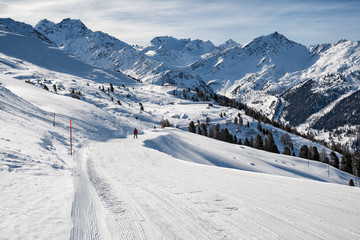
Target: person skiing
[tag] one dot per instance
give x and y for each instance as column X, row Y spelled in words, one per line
column 135, row 133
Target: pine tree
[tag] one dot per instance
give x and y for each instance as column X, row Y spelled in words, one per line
column 240, row 142
column 192, row 127
column 258, row 142
column 351, row 183
column 246, row 142
column 314, row 154
column 203, row 129
column 208, row 121
column 111, row 88
column 198, row 130
column 251, row 142
column 241, row 122
column 230, row 138
column 212, row 131
column 235, row 140
column 346, row 163
column 165, row 123
column 55, row 88
column 270, row 144
column 304, row 152
column 236, row 120
column 287, row 151
column 355, row 159
column 334, row 160
column 226, row 136
column 217, row 132
column 46, row 88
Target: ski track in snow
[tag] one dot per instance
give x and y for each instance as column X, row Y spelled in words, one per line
column 145, row 194
column 83, row 212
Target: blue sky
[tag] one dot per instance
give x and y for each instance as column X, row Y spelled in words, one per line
column 138, row 21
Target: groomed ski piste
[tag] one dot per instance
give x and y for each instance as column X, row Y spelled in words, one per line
column 166, row 184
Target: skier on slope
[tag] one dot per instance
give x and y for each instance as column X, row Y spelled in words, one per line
column 135, row 133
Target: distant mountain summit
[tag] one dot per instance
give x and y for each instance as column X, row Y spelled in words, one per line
column 67, row 29
column 270, row 44
column 229, row 44
column 256, row 66
column 97, row 48
column 9, row 25
column 177, row 52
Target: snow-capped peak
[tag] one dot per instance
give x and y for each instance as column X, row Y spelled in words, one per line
column 171, row 43
column 168, row 42
column 229, row 44
column 96, row 48
column 205, row 47
column 10, row 25
column 177, row 52
column 72, row 23
column 65, row 30
column 270, row 44
column 47, row 23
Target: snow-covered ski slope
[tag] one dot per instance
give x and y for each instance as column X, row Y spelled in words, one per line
column 149, row 194
column 167, row 184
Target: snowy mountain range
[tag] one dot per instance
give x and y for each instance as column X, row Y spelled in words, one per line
column 169, row 183
column 271, row 73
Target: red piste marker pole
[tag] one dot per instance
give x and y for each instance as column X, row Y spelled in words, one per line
column 70, row 138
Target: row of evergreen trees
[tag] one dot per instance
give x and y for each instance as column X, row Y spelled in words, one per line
column 224, row 135
column 312, row 153
column 350, row 162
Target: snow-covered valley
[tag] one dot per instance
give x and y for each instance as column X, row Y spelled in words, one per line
column 166, row 184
